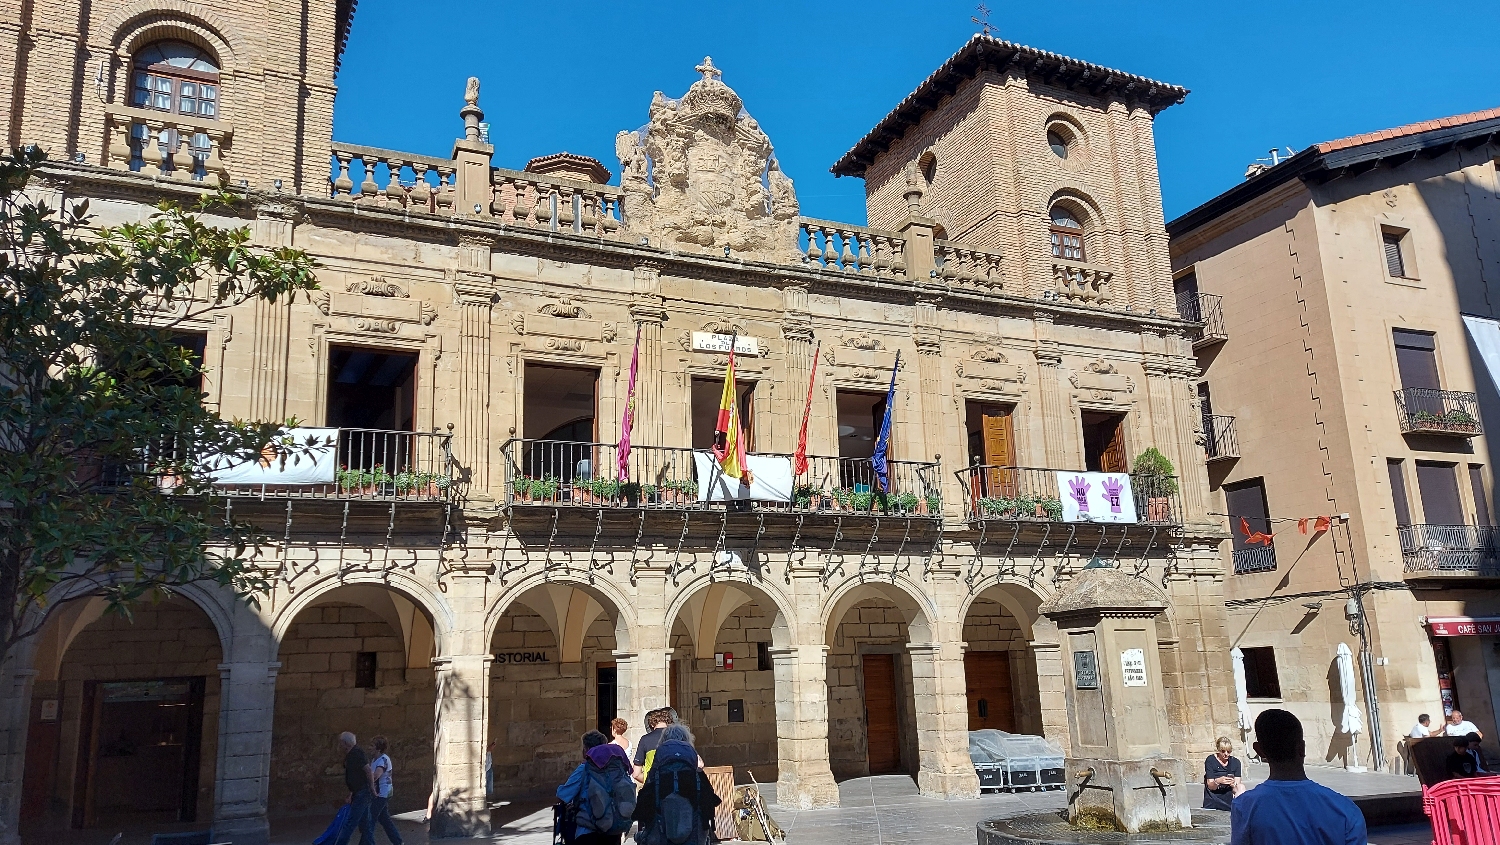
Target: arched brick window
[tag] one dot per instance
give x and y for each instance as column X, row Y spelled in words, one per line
column 175, row 77
column 1067, row 235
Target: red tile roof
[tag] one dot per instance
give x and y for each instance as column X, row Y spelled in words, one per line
column 1408, row 129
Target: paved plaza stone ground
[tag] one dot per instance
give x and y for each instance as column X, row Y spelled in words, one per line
column 883, row 810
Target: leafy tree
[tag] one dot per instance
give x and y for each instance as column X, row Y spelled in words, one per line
column 98, row 402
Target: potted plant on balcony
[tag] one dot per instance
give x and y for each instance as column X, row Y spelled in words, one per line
column 905, row 503
column 354, row 482
column 650, row 494
column 930, row 504
column 630, row 491
column 521, row 488
column 544, row 489
column 806, row 497
column 1156, row 478
column 604, row 490
column 1460, row 421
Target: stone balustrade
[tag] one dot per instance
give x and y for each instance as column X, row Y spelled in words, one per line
column 533, row 201
column 413, row 182
column 964, row 265
column 1076, row 281
column 171, row 146
column 852, row 249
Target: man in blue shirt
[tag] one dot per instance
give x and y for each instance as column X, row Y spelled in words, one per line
column 1289, row 809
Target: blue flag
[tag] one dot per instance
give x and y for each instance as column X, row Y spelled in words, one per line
column 881, row 460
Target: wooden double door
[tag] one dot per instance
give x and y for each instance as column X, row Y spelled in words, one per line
column 987, row 682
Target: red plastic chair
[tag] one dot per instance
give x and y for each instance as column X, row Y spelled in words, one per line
column 1465, row 811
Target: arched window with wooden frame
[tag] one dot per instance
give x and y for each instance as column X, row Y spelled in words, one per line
column 1066, row 234
column 175, row 77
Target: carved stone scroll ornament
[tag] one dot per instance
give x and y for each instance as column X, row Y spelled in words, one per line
column 714, row 182
column 609, row 334
column 564, row 344
column 722, row 327
column 861, row 341
column 989, row 354
column 377, row 287
column 565, row 308
column 366, row 324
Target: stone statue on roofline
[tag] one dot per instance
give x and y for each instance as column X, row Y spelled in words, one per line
column 701, row 176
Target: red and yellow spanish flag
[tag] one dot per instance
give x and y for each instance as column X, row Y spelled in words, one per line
column 729, row 437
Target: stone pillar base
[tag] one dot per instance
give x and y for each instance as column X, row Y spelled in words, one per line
column 250, row 830
column 807, row 791
column 949, row 785
column 454, row 820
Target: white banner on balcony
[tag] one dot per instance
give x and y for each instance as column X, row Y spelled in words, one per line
column 1096, row 496
column 296, row 456
column 1486, row 335
column 772, row 479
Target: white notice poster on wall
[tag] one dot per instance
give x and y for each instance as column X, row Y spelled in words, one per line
column 1133, row 667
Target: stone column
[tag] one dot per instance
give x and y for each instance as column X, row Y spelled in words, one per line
column 1050, row 690
column 938, row 435
column 1057, row 414
column 15, row 718
column 476, row 298
column 642, row 684
column 804, row 778
column 270, row 335
column 242, row 775
column 797, row 333
column 942, row 719
column 647, row 313
column 462, row 711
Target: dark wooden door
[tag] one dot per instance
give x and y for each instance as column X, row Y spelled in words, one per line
column 1113, row 459
column 999, row 451
column 882, row 736
column 987, row 679
column 41, row 764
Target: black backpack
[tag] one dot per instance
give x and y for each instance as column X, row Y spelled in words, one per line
column 676, row 786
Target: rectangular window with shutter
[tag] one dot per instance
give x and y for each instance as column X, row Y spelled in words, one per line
column 1398, row 491
column 1261, row 679
column 1394, row 264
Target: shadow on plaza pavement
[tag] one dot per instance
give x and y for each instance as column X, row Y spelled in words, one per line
column 882, row 810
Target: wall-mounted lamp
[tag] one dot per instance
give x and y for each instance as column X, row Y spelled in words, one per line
column 477, row 208
column 80, row 158
column 1313, row 606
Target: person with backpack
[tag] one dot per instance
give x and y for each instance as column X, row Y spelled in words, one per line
column 597, row 801
column 676, row 804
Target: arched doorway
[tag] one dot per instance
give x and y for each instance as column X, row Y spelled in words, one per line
column 722, row 675
column 125, row 716
column 872, row 710
column 358, row 658
column 1000, row 668
column 553, row 679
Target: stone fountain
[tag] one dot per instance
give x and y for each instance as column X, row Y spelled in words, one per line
column 1124, row 784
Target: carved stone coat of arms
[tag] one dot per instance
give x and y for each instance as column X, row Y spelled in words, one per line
column 702, row 176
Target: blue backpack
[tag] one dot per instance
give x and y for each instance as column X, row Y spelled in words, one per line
column 606, row 798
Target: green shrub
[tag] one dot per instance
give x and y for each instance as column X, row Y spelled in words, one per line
column 1154, row 473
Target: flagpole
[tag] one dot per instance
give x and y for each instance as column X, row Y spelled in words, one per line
column 718, row 470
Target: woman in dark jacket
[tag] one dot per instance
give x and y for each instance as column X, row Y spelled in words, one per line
column 676, row 776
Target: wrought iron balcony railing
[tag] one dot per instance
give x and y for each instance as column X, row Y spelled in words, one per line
column 1205, row 308
column 1031, row 494
column 1423, row 410
column 1449, row 549
column 1254, row 559
column 1221, row 440
column 367, row 464
column 555, row 473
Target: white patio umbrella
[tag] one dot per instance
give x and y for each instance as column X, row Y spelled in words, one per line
column 1352, row 722
column 1237, row 661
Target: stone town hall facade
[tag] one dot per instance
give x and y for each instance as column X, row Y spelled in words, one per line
column 478, row 558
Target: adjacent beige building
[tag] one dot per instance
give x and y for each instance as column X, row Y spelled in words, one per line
column 483, row 556
column 1340, row 379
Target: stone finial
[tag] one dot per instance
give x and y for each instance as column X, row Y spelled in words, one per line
column 710, row 73
column 471, row 113
column 913, row 177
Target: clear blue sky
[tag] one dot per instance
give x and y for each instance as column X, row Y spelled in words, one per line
column 818, row 75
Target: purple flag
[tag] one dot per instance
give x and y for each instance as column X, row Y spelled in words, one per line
column 627, row 422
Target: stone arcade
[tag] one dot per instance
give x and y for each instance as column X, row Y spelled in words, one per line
column 471, row 342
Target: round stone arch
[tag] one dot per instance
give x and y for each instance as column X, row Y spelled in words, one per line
column 144, row 21
column 76, row 606
column 606, row 593
column 410, row 588
column 1018, row 599
column 708, row 600
column 915, row 605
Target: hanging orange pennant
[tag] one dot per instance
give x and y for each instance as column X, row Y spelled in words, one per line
column 1254, row 536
